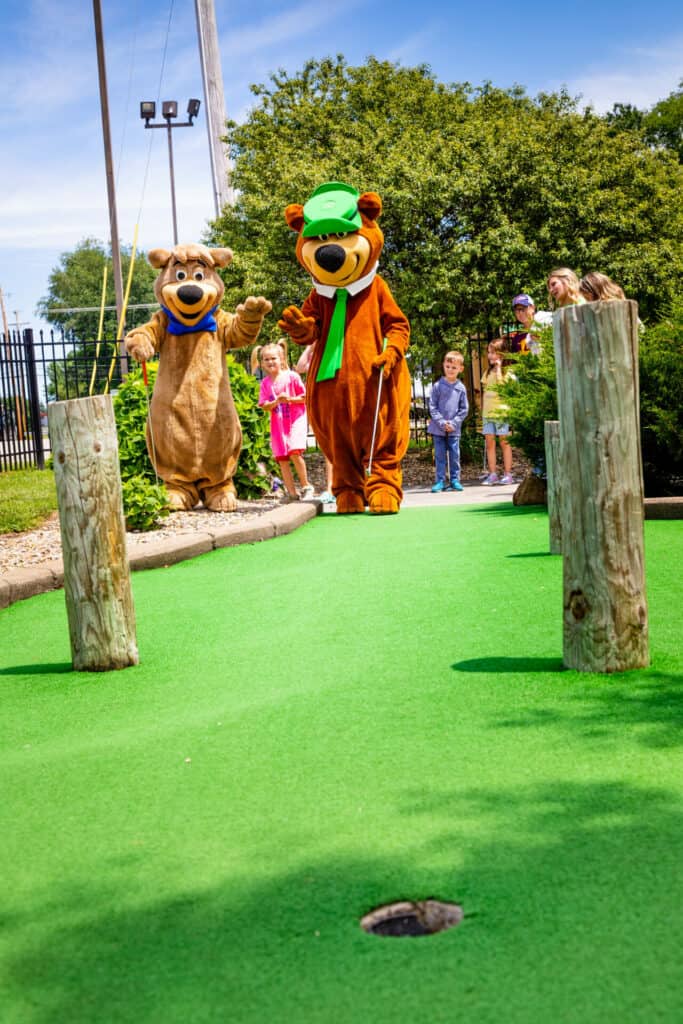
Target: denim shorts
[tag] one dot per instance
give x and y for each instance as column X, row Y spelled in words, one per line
column 494, row 427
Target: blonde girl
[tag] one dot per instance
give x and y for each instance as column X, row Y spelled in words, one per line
column 283, row 395
column 563, row 288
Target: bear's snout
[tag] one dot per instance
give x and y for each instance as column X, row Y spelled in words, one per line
column 330, row 257
column 190, row 294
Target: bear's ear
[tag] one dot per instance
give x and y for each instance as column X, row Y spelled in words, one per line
column 158, row 257
column 370, row 205
column 221, row 257
column 294, row 215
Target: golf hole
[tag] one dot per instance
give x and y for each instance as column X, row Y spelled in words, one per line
column 412, row 918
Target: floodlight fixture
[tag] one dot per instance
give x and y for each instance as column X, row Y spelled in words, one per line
column 169, row 109
column 148, row 109
column 193, row 109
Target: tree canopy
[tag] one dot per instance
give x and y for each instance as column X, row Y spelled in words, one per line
column 485, row 190
column 660, row 126
column 77, row 284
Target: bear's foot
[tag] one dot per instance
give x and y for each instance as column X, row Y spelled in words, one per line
column 350, row 503
column 222, row 501
column 179, row 501
column 383, row 503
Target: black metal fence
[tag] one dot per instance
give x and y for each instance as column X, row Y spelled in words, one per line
column 36, row 369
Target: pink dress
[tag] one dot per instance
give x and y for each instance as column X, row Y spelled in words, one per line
column 288, row 424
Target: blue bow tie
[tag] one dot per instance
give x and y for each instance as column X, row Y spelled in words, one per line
column 207, row 323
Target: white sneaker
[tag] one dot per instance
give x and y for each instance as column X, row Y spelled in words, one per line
column 507, row 479
column 307, row 492
column 491, row 479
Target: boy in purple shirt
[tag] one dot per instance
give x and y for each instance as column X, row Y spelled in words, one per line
column 448, row 408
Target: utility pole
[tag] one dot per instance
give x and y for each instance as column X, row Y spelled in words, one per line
column 214, row 101
column 111, row 193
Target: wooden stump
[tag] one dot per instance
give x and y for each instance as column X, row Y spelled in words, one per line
column 605, row 607
column 99, row 601
column 531, row 491
column 553, row 477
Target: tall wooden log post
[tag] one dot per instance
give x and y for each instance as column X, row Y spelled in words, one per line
column 553, row 478
column 605, row 607
column 99, row 600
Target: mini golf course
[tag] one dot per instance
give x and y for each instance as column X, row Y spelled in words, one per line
column 367, row 710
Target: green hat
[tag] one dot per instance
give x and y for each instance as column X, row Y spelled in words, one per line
column 333, row 207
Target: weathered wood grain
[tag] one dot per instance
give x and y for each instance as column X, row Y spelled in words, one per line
column 97, row 586
column 604, row 600
column 553, row 482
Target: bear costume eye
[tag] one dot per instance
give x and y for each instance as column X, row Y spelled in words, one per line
column 180, row 275
column 198, row 275
column 341, row 234
column 323, row 238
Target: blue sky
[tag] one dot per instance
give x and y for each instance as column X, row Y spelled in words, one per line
column 52, row 173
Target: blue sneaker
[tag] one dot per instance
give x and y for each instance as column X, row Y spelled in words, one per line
column 438, row 487
column 455, row 485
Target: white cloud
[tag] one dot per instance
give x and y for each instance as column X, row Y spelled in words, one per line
column 640, row 76
column 273, row 31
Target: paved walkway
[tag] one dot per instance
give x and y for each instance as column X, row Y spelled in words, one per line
column 149, row 553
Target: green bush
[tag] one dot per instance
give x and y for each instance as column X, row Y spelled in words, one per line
column 530, row 394
column 661, row 408
column 144, row 503
column 130, row 412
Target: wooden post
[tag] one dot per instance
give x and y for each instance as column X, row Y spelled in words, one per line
column 99, row 601
column 553, row 478
column 605, row 607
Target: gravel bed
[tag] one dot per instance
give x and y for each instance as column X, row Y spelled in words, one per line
column 44, row 544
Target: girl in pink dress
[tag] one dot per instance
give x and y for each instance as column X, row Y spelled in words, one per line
column 283, row 395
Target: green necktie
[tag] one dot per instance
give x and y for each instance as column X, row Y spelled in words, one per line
column 334, row 346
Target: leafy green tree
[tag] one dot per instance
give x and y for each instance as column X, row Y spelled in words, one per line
column 624, row 117
column 663, row 123
column 76, row 283
column 485, row 190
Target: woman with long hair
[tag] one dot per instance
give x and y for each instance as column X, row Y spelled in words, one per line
column 596, row 287
column 563, row 288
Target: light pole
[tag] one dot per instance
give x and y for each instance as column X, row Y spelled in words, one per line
column 169, row 110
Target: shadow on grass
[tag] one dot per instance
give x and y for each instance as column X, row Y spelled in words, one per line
column 532, row 554
column 58, row 668
column 568, row 890
column 647, row 704
column 498, row 664
column 505, row 510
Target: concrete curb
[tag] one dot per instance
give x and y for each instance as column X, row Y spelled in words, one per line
column 20, row 584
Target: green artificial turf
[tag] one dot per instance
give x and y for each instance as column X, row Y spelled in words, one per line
column 369, row 709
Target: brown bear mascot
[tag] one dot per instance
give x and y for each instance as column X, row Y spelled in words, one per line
column 358, row 332
column 193, row 433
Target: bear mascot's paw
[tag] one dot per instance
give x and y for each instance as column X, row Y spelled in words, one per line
column 383, row 503
column 350, row 503
column 221, row 501
column 139, row 347
column 253, row 309
column 301, row 329
column 387, row 360
column 179, row 501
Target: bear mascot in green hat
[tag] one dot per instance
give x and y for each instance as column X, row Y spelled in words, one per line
column 358, row 386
